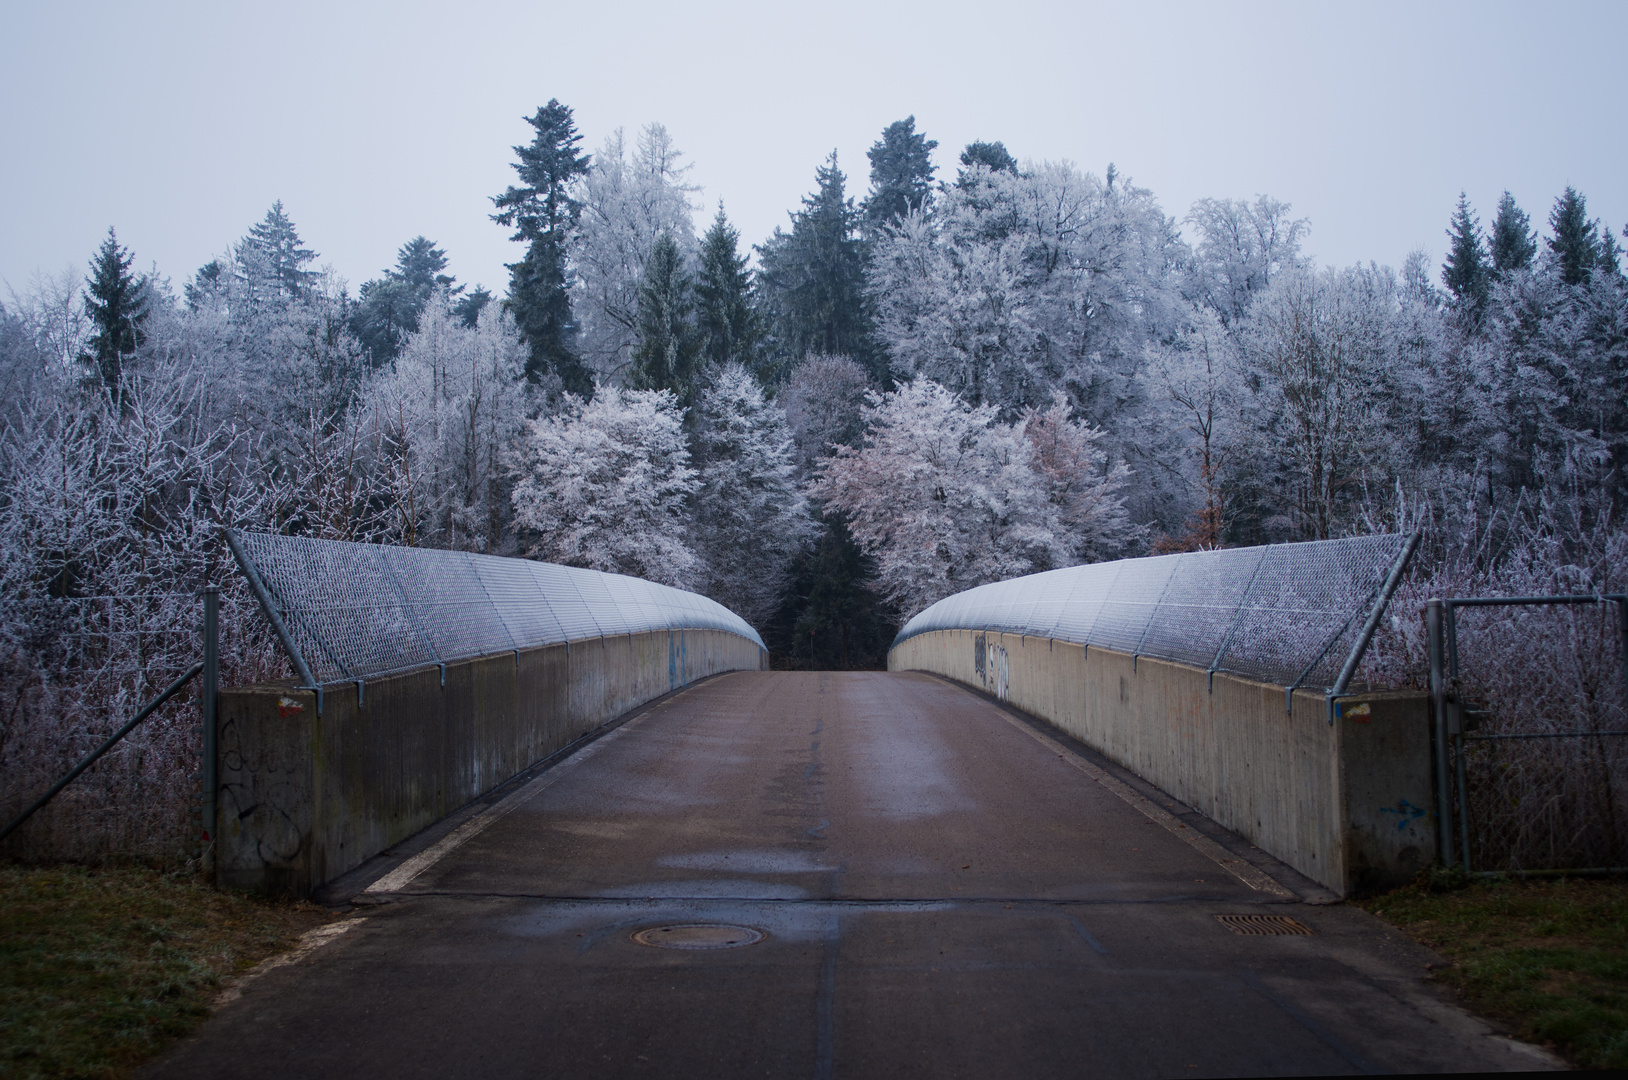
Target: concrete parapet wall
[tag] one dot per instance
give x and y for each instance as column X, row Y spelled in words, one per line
column 304, row 798
column 1345, row 804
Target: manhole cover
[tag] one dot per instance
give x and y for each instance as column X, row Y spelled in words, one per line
column 698, row 936
column 1263, row 924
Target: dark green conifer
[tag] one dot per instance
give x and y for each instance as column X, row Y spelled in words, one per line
column 117, row 303
column 664, row 358
column 991, row 155
column 541, row 211
column 1513, row 245
column 388, row 308
column 901, row 172
column 1466, row 273
column 1574, row 241
column 725, row 316
column 814, row 279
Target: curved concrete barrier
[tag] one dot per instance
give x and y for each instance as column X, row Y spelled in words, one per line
column 305, row 797
column 1343, row 799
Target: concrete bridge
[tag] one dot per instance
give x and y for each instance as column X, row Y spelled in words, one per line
column 717, row 870
column 839, row 874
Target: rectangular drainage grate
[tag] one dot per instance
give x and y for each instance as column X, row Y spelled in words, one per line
column 1263, row 924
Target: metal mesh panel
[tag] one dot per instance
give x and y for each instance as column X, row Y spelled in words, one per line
column 1286, row 614
column 355, row 610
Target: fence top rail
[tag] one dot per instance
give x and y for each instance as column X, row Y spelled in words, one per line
column 1518, row 601
column 347, row 611
column 1289, row 614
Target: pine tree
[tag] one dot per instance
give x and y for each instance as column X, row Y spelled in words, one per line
column 274, row 249
column 725, row 315
column 814, row 279
column 471, row 304
column 542, row 212
column 388, row 308
column 1610, row 253
column 901, row 172
column 117, row 303
column 1574, row 243
column 991, row 155
column 1466, row 273
column 1513, row 245
column 665, row 356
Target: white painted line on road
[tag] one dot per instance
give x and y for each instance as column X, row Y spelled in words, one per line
column 397, row 879
column 309, row 942
column 1238, row 868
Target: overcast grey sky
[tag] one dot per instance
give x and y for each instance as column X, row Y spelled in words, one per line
column 180, row 123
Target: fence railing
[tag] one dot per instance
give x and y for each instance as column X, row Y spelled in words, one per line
column 1299, row 615
column 348, row 612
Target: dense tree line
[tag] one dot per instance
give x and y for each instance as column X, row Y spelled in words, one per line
column 941, row 382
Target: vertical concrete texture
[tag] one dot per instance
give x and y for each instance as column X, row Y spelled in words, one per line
column 305, row 797
column 1346, row 803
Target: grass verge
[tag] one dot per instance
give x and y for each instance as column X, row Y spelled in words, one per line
column 1548, row 959
column 100, row 969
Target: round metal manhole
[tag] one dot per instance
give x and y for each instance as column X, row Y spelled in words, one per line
column 698, row 936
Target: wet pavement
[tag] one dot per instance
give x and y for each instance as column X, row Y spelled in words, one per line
column 839, row 875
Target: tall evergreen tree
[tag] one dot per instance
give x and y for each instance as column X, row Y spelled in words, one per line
column 664, row 358
column 542, row 210
column 991, row 155
column 1574, row 241
column 1466, row 273
column 388, row 308
column 274, row 252
column 814, row 279
column 725, row 315
column 1513, row 245
column 901, row 172
column 117, row 303
column 471, row 304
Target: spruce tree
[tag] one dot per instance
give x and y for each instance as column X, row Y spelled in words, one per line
column 991, row 155
column 1466, row 273
column 1513, row 245
column 1574, row 241
column 664, row 358
column 274, row 248
column 117, row 303
column 814, row 279
column 725, row 316
column 901, row 173
column 542, row 210
column 388, row 308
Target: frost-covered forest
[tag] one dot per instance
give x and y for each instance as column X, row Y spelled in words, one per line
column 950, row 376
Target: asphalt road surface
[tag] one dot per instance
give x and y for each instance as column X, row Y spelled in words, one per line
column 898, row 878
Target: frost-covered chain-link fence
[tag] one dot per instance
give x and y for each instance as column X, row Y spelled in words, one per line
column 1286, row 613
column 358, row 610
column 72, row 671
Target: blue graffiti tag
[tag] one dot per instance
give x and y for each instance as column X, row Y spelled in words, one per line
column 1409, row 813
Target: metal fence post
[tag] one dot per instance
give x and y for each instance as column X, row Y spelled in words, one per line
column 1438, row 714
column 208, row 695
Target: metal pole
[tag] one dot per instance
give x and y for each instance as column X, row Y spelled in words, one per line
column 208, row 698
column 1438, row 712
column 1463, row 795
column 1386, row 591
column 1622, row 639
column 269, row 606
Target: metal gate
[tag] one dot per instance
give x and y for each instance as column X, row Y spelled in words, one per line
column 1458, row 720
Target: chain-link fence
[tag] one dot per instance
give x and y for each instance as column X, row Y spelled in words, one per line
column 1289, row 614
column 358, row 610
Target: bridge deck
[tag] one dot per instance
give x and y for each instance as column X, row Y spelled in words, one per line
column 942, row 894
